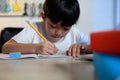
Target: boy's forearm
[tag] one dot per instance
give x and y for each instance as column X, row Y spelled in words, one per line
column 23, row 48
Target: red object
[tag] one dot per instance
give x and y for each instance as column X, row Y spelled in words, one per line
column 106, row 42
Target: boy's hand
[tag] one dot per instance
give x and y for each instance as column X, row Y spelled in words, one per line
column 46, row 48
column 75, row 50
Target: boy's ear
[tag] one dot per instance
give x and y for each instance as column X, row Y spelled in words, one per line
column 43, row 16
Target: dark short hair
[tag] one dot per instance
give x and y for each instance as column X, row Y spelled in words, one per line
column 66, row 11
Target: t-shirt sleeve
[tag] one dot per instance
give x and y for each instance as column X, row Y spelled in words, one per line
column 25, row 36
column 81, row 37
column 85, row 39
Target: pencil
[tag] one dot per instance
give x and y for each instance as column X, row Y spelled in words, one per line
column 36, row 30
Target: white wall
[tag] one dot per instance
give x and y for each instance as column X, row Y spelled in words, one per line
column 11, row 22
column 16, row 21
column 118, row 14
column 85, row 20
column 103, row 15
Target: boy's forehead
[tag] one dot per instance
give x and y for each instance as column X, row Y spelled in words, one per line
column 54, row 22
column 58, row 24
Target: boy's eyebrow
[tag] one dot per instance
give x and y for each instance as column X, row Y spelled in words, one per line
column 67, row 27
column 52, row 24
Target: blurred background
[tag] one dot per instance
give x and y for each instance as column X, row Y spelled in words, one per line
column 96, row 15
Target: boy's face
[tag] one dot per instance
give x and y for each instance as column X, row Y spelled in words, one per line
column 55, row 31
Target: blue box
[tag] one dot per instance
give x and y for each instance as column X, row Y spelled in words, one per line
column 107, row 67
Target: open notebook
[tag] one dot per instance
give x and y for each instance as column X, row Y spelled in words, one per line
column 7, row 56
column 25, row 56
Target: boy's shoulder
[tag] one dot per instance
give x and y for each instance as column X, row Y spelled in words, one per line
column 75, row 29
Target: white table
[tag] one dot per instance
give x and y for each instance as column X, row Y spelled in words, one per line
column 47, row 69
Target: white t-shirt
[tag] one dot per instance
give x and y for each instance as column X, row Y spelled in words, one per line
column 28, row 35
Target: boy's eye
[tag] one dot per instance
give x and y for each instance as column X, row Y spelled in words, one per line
column 66, row 29
column 52, row 26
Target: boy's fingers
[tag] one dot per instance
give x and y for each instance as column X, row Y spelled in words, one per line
column 44, row 52
column 47, row 51
column 53, row 49
column 76, row 50
column 53, row 46
column 79, row 48
column 50, row 52
column 69, row 52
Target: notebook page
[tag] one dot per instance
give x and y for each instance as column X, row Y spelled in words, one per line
column 60, row 54
column 7, row 56
column 23, row 56
column 4, row 56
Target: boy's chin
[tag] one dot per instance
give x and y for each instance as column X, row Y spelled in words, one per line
column 55, row 39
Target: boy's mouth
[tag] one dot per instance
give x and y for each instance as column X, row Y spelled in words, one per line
column 56, row 36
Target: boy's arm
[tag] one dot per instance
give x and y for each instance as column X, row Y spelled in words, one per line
column 40, row 48
column 13, row 46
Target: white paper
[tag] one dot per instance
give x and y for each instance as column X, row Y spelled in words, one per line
column 6, row 56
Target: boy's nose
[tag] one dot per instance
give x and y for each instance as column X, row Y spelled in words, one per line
column 58, row 33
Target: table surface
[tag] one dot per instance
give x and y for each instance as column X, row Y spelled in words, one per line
column 47, row 69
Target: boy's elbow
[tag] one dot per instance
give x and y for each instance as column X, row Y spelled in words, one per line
column 5, row 49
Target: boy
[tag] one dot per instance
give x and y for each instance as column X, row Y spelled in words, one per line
column 59, row 16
